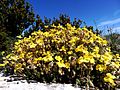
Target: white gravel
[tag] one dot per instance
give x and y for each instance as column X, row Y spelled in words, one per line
column 23, row 85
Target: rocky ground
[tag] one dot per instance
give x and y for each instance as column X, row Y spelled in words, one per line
column 7, row 83
column 23, row 85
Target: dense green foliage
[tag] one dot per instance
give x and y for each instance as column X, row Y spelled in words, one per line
column 63, row 19
column 15, row 16
column 64, row 55
column 114, row 42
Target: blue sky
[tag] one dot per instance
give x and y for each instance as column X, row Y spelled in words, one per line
column 106, row 13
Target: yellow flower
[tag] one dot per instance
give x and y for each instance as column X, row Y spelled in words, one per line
column 109, row 78
column 58, row 58
column 67, row 65
column 32, row 45
column 36, row 60
column 34, row 33
column 94, row 36
column 69, row 52
column 106, row 58
column 48, row 53
column 110, row 75
column 96, row 49
column 117, row 56
column 104, row 42
column 2, row 65
column 73, row 39
column 108, row 48
column 96, row 55
column 79, row 48
column 50, row 58
column 21, row 55
column 63, row 48
column 19, row 65
column 88, row 57
column 8, row 56
column 85, row 51
column 60, row 64
column 68, row 26
column 19, row 49
column 46, row 34
column 14, row 57
column 91, row 40
column 101, row 67
column 39, row 41
column 17, row 43
column 45, row 59
column 59, row 26
column 46, row 26
column 82, row 60
column 92, row 60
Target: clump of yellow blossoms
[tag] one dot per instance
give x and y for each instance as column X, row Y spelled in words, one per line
column 109, row 78
column 63, row 54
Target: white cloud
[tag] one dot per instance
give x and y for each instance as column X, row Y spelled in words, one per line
column 116, row 28
column 110, row 22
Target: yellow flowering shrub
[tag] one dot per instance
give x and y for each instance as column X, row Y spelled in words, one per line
column 64, row 55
